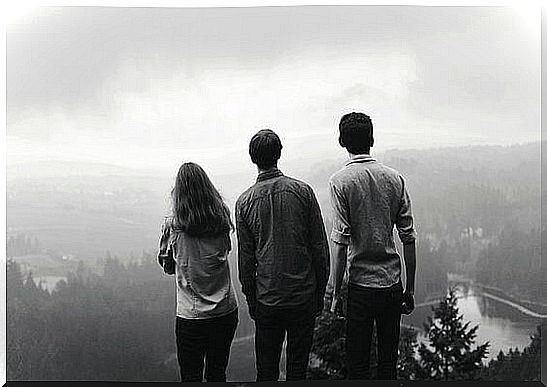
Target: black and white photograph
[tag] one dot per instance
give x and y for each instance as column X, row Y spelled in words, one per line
column 274, row 193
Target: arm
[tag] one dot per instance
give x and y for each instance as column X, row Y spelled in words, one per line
column 407, row 235
column 228, row 243
column 319, row 249
column 338, row 271
column 246, row 261
column 165, row 254
column 164, row 238
column 341, row 236
column 409, row 254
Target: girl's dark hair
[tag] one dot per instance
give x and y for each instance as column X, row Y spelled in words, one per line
column 356, row 133
column 198, row 208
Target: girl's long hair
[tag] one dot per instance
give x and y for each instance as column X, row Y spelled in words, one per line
column 198, row 208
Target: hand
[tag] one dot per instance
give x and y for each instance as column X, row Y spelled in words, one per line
column 407, row 302
column 169, row 266
column 337, row 309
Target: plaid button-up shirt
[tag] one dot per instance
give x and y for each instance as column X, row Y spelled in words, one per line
column 283, row 253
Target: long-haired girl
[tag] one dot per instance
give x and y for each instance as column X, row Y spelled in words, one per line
column 194, row 246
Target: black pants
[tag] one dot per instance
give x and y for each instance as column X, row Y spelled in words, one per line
column 271, row 324
column 205, row 338
column 365, row 307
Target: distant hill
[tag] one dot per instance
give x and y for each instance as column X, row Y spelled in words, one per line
column 85, row 209
column 453, row 188
column 57, row 168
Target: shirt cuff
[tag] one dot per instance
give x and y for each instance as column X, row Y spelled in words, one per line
column 407, row 237
column 341, row 238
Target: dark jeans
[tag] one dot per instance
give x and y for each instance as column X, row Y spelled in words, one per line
column 205, row 338
column 271, row 324
column 365, row 307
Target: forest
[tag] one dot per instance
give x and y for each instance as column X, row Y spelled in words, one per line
column 477, row 212
column 120, row 326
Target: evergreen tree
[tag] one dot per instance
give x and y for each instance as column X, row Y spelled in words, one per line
column 14, row 278
column 15, row 308
column 328, row 352
column 407, row 363
column 449, row 356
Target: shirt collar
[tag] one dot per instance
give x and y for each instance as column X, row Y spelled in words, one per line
column 269, row 174
column 362, row 158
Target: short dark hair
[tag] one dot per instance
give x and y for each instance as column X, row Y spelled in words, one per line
column 265, row 148
column 356, row 133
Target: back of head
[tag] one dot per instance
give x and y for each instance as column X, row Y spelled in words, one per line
column 265, row 149
column 198, row 208
column 356, row 133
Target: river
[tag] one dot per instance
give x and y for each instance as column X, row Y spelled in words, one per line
column 502, row 323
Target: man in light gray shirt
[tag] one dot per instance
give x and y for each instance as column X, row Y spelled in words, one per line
column 368, row 200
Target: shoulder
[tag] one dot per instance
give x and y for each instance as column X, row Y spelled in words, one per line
column 244, row 199
column 167, row 223
column 339, row 177
column 244, row 195
column 295, row 182
column 391, row 172
column 388, row 169
column 297, row 185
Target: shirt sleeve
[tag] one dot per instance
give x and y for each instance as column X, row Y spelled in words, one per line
column 405, row 220
column 228, row 243
column 164, row 242
column 246, row 258
column 341, row 228
column 318, row 245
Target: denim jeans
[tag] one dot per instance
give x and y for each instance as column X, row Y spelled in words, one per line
column 271, row 324
column 209, row 339
column 367, row 306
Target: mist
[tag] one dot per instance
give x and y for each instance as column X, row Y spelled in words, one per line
column 148, row 88
column 105, row 103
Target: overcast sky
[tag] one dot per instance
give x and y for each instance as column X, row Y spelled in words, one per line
column 151, row 87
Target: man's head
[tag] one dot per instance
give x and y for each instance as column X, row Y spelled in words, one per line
column 356, row 133
column 265, row 149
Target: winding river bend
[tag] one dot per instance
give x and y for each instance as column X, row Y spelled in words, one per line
column 504, row 323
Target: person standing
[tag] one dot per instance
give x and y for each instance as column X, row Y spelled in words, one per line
column 368, row 200
column 283, row 259
column 194, row 245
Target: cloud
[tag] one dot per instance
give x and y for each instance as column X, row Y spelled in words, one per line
column 145, row 86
